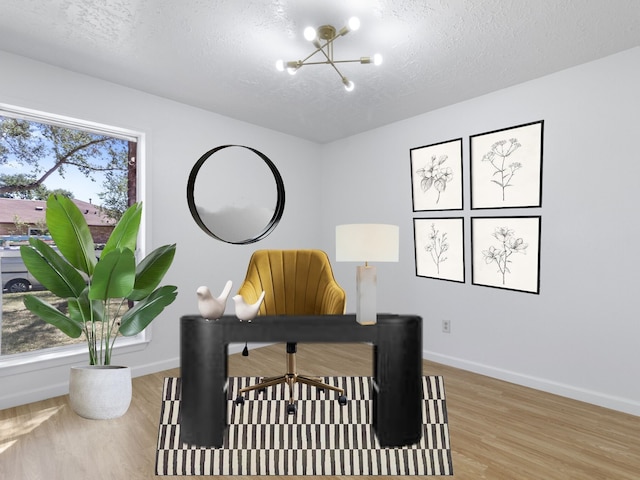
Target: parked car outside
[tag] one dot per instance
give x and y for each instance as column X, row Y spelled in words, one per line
column 15, row 276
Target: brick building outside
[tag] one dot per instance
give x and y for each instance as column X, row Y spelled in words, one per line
column 23, row 217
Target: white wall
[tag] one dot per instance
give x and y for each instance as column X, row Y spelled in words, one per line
column 176, row 136
column 580, row 336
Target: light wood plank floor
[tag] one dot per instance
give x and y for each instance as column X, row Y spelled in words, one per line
column 498, row 430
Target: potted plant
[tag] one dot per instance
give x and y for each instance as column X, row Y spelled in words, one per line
column 98, row 294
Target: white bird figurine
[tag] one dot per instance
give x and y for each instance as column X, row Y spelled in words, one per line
column 245, row 311
column 212, row 308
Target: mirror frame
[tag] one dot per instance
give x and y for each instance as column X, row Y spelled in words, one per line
column 277, row 214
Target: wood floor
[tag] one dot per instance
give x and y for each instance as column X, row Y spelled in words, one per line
column 498, row 430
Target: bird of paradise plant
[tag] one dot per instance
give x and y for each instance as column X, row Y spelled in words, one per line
column 98, row 293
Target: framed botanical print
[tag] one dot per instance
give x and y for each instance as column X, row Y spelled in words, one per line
column 506, row 167
column 505, row 252
column 439, row 248
column 436, row 176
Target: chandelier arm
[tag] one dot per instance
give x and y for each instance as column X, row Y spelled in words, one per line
column 326, row 62
column 319, row 48
column 336, row 69
column 329, row 56
column 343, row 61
column 303, row 62
column 329, row 59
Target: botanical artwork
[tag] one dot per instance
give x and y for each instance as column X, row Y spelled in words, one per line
column 506, row 167
column 506, row 252
column 503, row 172
column 436, row 176
column 439, row 246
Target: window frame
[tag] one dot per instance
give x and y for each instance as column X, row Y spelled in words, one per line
column 18, row 363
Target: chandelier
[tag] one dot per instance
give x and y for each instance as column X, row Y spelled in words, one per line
column 323, row 39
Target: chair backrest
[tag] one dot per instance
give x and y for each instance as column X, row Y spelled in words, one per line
column 296, row 282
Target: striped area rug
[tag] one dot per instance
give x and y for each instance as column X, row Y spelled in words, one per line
column 323, row 438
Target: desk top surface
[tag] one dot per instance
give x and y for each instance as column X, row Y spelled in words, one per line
column 381, row 317
column 296, row 327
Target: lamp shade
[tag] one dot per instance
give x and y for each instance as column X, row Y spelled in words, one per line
column 367, row 242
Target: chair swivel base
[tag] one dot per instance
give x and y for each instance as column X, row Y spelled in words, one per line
column 291, row 379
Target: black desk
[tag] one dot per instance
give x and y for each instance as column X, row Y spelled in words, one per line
column 397, row 368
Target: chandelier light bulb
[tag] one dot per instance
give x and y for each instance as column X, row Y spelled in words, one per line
column 310, row 34
column 377, row 59
column 354, row 24
column 348, row 84
column 292, row 70
column 280, row 65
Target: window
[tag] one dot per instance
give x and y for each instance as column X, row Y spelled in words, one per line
column 40, row 154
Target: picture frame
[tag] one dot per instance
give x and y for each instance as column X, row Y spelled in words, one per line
column 436, row 176
column 439, row 248
column 505, row 252
column 506, row 167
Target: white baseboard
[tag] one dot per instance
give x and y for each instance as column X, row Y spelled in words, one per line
column 149, row 368
column 55, row 390
column 589, row 396
column 34, row 395
column 175, row 362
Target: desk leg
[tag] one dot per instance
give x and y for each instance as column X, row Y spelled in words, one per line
column 203, row 362
column 397, row 392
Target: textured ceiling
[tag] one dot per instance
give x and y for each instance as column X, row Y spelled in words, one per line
column 220, row 54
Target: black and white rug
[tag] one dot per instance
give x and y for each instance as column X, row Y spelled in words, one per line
column 322, row 438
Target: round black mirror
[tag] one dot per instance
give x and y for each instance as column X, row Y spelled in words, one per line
column 236, row 195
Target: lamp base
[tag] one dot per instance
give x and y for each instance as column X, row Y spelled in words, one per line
column 366, row 281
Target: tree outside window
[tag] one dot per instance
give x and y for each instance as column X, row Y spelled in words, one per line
column 37, row 158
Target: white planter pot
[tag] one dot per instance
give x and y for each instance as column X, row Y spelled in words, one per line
column 100, row 392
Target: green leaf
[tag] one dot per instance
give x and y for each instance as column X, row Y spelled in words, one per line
column 52, row 315
column 142, row 314
column 80, row 308
column 51, row 269
column 114, row 275
column 125, row 234
column 151, row 271
column 70, row 232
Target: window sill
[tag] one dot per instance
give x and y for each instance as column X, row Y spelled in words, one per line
column 61, row 356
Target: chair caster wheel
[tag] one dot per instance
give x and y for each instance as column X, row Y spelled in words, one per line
column 342, row 400
column 291, row 409
column 239, row 400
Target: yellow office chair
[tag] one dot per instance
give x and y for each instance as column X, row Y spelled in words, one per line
column 295, row 282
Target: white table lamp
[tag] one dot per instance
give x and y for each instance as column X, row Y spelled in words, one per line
column 367, row 242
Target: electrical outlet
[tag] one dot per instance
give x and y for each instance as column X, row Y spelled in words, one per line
column 446, row 326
